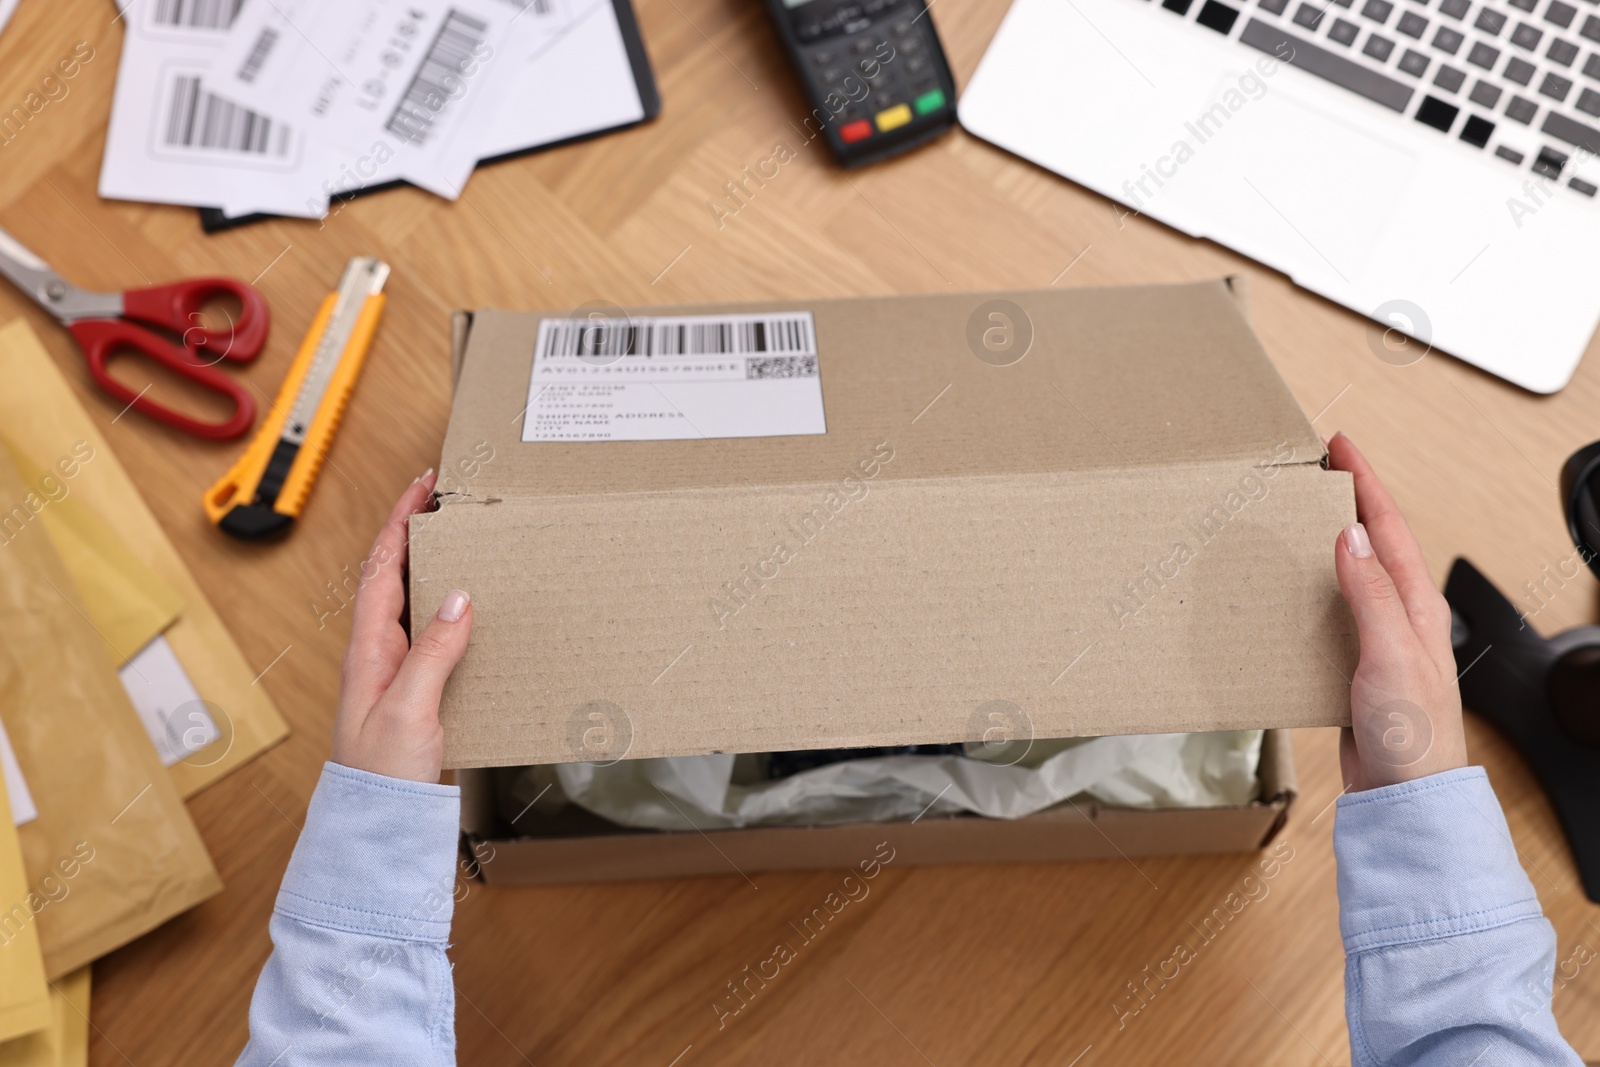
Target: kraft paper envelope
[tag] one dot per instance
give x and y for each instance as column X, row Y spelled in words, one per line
column 65, row 1041
column 44, row 419
column 128, row 603
column 113, row 853
column 24, row 996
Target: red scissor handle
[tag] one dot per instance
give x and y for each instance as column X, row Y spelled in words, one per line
column 102, row 338
column 177, row 307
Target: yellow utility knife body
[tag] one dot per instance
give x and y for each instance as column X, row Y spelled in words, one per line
column 263, row 493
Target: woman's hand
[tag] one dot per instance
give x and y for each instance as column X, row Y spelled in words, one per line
column 1405, row 709
column 389, row 687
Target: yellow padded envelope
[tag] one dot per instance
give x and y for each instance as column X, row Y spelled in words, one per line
column 24, row 996
column 65, row 1041
column 45, row 421
column 128, row 603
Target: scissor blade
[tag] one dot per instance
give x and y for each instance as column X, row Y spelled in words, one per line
column 48, row 289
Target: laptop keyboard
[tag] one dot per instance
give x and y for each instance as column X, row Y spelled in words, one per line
column 1470, row 69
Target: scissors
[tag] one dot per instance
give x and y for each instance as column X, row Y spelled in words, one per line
column 104, row 324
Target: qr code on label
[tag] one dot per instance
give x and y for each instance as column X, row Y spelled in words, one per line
column 780, row 367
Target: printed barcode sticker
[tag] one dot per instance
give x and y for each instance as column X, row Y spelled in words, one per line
column 455, row 52
column 259, row 51
column 617, row 378
column 199, row 120
column 195, row 14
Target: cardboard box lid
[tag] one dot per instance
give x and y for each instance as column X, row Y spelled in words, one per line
column 1126, row 530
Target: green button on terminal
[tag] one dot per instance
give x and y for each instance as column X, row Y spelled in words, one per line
column 932, row 100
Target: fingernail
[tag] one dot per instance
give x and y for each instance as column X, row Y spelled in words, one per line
column 454, row 606
column 423, row 476
column 1355, row 540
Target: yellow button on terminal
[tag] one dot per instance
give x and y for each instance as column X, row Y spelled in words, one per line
column 892, row 118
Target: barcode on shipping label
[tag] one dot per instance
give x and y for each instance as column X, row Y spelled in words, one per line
column 453, row 56
column 199, row 120
column 265, row 41
column 195, row 14
column 597, row 338
column 681, row 377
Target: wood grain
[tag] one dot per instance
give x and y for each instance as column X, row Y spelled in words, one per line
column 1003, row 965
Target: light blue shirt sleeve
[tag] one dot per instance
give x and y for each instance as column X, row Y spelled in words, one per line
column 358, row 974
column 1448, row 958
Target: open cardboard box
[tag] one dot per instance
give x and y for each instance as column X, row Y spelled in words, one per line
column 1099, row 506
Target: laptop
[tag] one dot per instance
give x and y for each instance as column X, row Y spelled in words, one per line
column 1430, row 164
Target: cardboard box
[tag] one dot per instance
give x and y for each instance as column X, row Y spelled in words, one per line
column 1098, row 510
column 1085, row 830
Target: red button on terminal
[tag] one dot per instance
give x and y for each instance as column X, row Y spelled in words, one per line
column 855, row 131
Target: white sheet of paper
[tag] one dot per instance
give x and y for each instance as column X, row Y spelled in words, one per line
column 22, row 806
column 403, row 79
column 7, row 9
column 578, row 81
column 173, row 714
column 675, row 377
column 174, row 140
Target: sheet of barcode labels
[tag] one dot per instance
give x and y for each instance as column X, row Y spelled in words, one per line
column 278, row 105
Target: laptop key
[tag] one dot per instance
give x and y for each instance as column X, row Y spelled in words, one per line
column 1307, row 16
column 1274, row 7
column 1591, row 66
column 1412, row 24
column 1562, row 52
column 1483, row 55
column 1572, row 131
column 1549, row 163
column 1589, row 102
column 1342, row 32
column 1449, row 78
column 1314, row 59
column 1521, row 110
column 1519, row 71
column 1219, row 17
column 1586, row 188
column 1526, row 36
column 1490, row 21
column 1523, row 5
column 1484, row 94
column 1380, row 47
column 1510, row 155
column 1476, row 130
column 1591, row 28
column 1447, row 40
column 1456, row 9
column 1436, row 113
column 1555, row 87
column 1179, row 6
column 1414, row 63
column 1377, row 10
column 1560, row 13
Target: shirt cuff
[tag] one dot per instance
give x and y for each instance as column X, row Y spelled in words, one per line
column 377, row 856
column 1426, row 859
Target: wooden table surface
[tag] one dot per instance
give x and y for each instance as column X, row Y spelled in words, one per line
column 1003, row 965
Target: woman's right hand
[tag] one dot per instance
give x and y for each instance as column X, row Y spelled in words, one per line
column 1405, row 708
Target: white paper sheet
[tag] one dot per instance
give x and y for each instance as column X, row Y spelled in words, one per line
column 177, row 720
column 578, row 81
column 410, row 80
column 22, row 806
column 7, row 9
column 174, row 140
column 682, row 377
column 698, row 792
